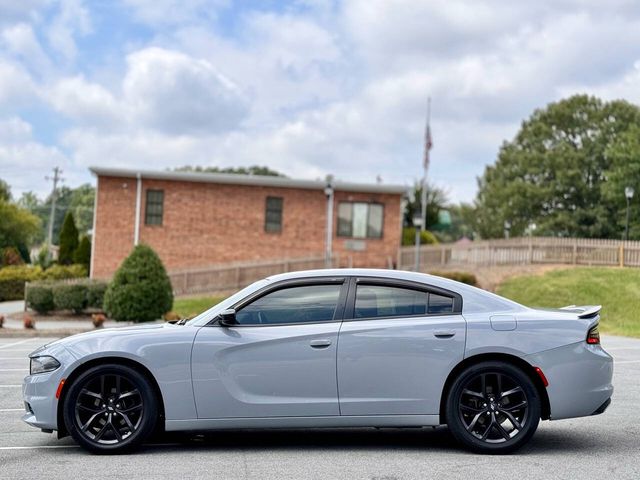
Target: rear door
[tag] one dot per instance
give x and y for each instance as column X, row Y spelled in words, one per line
column 396, row 346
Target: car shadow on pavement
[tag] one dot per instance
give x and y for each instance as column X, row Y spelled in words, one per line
column 410, row 439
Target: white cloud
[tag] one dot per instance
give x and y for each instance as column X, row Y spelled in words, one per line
column 16, row 86
column 173, row 12
column 20, row 40
column 72, row 20
column 178, row 94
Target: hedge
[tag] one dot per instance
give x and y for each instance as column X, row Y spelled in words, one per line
column 48, row 295
column 13, row 278
column 464, row 277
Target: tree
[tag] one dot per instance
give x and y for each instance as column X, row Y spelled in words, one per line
column 552, row 175
column 5, row 191
column 82, row 255
column 68, row 240
column 436, row 202
column 253, row 170
column 140, row 290
column 18, row 227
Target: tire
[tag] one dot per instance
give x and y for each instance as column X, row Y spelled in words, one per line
column 493, row 407
column 110, row 409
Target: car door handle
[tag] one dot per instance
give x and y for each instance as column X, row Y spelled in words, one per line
column 320, row 343
column 444, row 333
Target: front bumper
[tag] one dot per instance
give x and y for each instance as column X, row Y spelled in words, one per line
column 579, row 378
column 39, row 392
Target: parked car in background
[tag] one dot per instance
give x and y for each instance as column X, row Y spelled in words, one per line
column 329, row 348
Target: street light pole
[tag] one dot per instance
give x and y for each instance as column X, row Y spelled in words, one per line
column 628, row 193
column 417, row 224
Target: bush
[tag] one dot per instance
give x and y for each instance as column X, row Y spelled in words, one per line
column 68, row 240
column 95, row 294
column 463, row 277
column 60, row 272
column 10, row 256
column 409, row 237
column 40, row 298
column 69, row 296
column 140, row 290
column 12, row 281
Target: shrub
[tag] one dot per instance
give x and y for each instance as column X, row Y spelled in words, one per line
column 40, row 298
column 12, row 281
column 11, row 256
column 463, row 277
column 68, row 240
column 95, row 294
column 140, row 290
column 409, row 237
column 98, row 320
column 70, row 297
column 28, row 321
column 60, row 272
column 82, row 255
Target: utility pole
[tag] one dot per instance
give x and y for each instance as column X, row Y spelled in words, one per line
column 54, row 196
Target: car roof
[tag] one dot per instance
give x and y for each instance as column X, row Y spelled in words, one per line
column 474, row 299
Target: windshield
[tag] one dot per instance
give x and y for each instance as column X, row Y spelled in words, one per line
column 206, row 316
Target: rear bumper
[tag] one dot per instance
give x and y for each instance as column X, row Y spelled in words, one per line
column 579, row 378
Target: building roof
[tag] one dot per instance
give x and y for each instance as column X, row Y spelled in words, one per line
column 240, row 179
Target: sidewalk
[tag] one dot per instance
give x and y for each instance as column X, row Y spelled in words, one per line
column 11, row 307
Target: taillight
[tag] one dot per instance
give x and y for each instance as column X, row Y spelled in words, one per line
column 593, row 337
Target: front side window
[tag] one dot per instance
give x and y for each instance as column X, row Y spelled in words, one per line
column 304, row 304
column 385, row 301
column 154, row 207
column 360, row 219
column 273, row 215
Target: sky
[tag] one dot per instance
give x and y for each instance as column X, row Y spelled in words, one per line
column 306, row 87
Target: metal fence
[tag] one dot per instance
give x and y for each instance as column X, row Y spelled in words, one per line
column 523, row 251
column 229, row 277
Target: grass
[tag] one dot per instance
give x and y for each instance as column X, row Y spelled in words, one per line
column 616, row 289
column 191, row 306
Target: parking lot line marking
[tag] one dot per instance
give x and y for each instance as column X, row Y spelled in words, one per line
column 14, row 358
column 618, row 362
column 15, row 343
column 12, row 369
column 10, row 386
column 12, row 409
column 37, row 447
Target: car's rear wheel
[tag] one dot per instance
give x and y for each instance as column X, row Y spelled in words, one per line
column 493, row 407
column 110, row 409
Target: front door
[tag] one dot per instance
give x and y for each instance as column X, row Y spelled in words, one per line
column 280, row 358
column 396, row 346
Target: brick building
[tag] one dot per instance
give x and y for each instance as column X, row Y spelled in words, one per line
column 195, row 220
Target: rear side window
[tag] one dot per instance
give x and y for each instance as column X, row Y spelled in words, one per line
column 385, row 301
column 304, row 304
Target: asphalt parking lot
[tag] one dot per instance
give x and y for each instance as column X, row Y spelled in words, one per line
column 605, row 446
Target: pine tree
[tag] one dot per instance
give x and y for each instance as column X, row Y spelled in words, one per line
column 68, row 240
column 82, row 255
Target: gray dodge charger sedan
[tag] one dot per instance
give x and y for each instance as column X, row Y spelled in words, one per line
column 329, row 348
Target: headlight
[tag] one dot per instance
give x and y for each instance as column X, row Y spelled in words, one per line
column 43, row 364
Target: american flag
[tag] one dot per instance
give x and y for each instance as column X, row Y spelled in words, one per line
column 428, row 144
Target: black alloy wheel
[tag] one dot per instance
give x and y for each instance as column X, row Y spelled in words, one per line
column 110, row 409
column 493, row 407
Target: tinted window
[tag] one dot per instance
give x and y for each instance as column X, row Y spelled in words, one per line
column 154, row 207
column 310, row 303
column 440, row 304
column 382, row 301
column 273, row 215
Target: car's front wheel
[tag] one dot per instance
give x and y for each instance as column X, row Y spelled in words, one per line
column 493, row 407
column 110, row 409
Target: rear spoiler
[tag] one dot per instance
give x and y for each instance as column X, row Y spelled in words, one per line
column 584, row 311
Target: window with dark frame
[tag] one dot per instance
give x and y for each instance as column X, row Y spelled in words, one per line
column 273, row 215
column 360, row 219
column 386, row 301
column 154, row 208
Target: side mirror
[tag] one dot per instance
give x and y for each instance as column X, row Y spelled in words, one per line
column 227, row 318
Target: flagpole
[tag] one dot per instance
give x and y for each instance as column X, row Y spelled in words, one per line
column 425, row 163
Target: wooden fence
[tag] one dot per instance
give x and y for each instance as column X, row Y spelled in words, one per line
column 230, row 277
column 525, row 250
